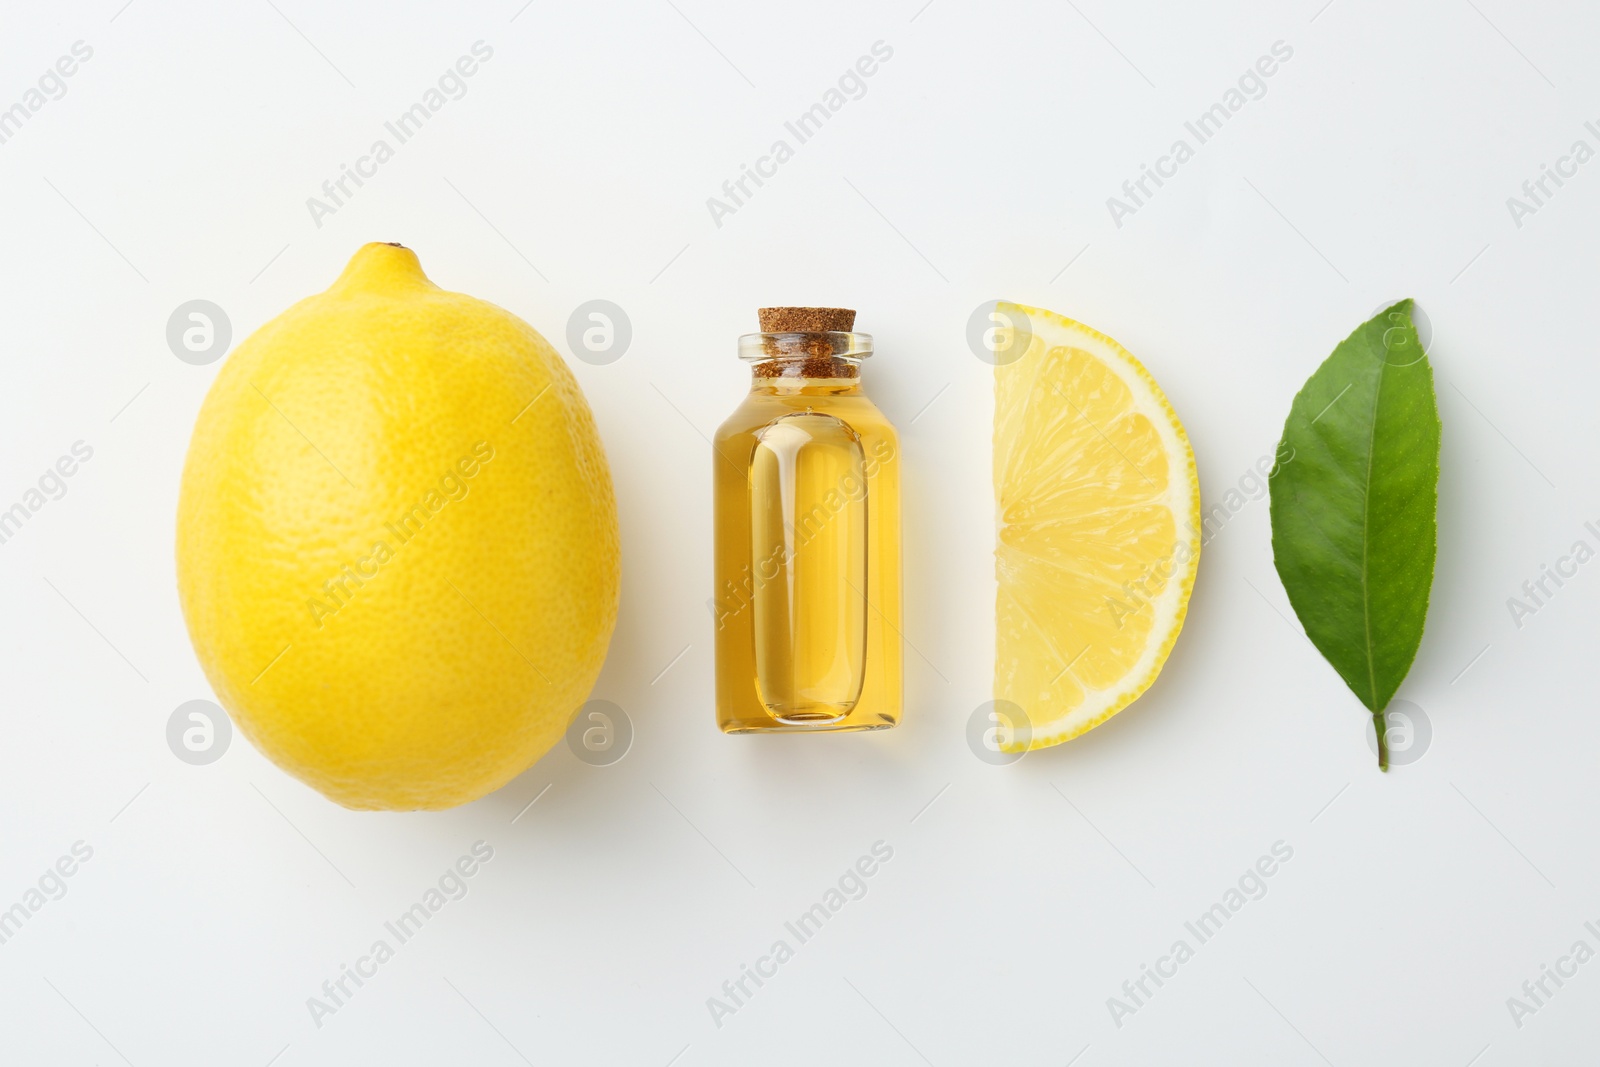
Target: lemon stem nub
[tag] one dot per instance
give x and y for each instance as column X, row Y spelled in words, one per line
column 382, row 267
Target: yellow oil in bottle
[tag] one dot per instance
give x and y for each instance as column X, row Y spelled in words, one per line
column 807, row 489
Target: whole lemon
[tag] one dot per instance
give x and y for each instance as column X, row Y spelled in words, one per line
column 397, row 541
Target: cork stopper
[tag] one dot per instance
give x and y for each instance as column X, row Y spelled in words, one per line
column 804, row 343
column 807, row 320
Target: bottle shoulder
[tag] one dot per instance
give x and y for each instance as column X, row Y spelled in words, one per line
column 758, row 409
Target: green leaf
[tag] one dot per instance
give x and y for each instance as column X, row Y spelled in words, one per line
column 1354, row 506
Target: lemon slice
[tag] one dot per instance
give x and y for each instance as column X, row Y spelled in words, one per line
column 1098, row 508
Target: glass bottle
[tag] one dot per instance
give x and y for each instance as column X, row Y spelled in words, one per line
column 807, row 498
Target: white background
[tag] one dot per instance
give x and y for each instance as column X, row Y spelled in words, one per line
column 977, row 165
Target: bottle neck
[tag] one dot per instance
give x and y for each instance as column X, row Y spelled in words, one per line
column 806, row 375
column 826, row 363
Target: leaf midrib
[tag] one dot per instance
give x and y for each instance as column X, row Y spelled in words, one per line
column 1366, row 540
